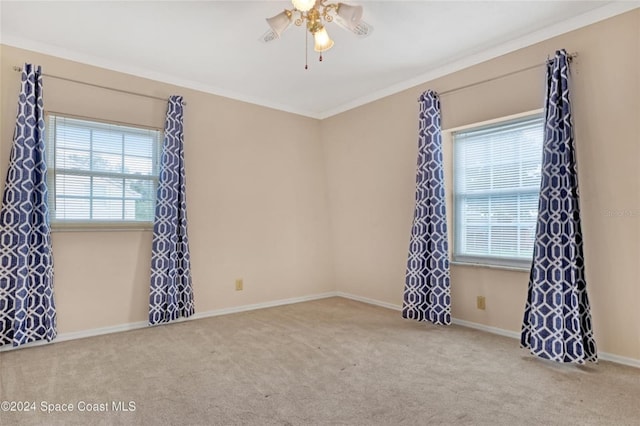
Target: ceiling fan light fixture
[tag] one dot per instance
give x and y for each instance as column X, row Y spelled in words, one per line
column 280, row 22
column 322, row 40
column 315, row 15
column 351, row 15
column 303, row 5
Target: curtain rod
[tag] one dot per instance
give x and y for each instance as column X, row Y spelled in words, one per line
column 19, row 69
column 571, row 57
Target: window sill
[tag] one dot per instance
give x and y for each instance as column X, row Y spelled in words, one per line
column 102, row 227
column 489, row 266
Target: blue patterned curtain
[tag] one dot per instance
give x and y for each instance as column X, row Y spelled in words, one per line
column 27, row 308
column 171, row 295
column 427, row 295
column 557, row 318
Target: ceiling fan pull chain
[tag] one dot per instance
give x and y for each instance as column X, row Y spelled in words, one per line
column 306, row 51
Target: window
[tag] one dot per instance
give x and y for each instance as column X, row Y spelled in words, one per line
column 496, row 187
column 101, row 173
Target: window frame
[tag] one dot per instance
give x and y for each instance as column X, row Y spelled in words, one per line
column 98, row 224
column 501, row 262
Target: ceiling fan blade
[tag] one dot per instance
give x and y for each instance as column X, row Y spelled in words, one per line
column 269, row 36
column 361, row 29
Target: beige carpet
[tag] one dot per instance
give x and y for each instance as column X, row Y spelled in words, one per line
column 327, row 362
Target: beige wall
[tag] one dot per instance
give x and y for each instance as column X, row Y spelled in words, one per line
column 296, row 206
column 256, row 193
column 371, row 156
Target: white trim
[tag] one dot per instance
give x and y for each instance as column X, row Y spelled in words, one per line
column 368, row 301
column 60, row 52
column 63, row 337
column 271, row 304
column 226, row 311
column 487, row 328
column 631, row 362
column 588, row 18
column 604, row 356
column 491, row 266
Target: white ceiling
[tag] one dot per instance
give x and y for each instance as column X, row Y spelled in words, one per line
column 214, row 46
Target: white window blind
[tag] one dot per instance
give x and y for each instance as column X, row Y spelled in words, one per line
column 496, row 187
column 101, row 173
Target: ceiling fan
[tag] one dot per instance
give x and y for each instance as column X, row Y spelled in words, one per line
column 315, row 14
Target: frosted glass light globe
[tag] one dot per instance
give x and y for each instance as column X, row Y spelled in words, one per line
column 303, row 5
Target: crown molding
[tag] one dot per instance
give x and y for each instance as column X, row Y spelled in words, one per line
column 588, row 18
column 92, row 60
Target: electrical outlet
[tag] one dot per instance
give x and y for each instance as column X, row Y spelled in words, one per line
column 481, row 303
column 239, row 284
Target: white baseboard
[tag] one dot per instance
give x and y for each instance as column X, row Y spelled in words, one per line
column 487, row 328
column 368, row 301
column 604, row 356
column 632, row 362
column 271, row 304
column 62, row 337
